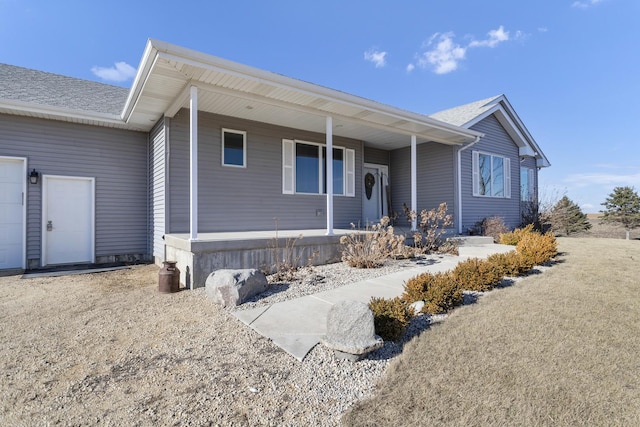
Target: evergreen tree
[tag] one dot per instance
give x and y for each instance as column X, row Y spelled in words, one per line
column 567, row 217
column 623, row 206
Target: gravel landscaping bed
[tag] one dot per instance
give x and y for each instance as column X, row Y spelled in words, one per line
column 109, row 349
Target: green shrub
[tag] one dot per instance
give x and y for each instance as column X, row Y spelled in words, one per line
column 513, row 237
column 477, row 275
column 537, row 249
column 391, row 317
column 510, row 264
column 439, row 291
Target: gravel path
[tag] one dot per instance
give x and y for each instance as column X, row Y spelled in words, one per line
column 109, row 349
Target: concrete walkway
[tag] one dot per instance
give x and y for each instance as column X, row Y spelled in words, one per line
column 298, row 325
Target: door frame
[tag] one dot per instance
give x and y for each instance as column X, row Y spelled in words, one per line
column 45, row 199
column 24, row 205
column 384, row 170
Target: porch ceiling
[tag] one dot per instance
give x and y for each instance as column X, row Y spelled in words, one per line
column 166, row 72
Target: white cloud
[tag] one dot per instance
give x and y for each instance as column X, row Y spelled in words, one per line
column 496, row 36
column 583, row 4
column 603, row 179
column 543, row 29
column 120, row 72
column 378, row 58
column 445, row 56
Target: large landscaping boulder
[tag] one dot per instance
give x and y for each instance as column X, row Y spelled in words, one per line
column 233, row 287
column 351, row 331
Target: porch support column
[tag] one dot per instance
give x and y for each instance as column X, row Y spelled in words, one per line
column 329, row 175
column 414, row 182
column 193, row 163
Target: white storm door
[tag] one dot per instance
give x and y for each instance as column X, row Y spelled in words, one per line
column 12, row 212
column 374, row 193
column 68, row 219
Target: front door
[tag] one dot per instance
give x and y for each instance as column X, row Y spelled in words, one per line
column 67, row 219
column 13, row 179
column 375, row 187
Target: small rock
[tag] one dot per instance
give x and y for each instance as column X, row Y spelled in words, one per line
column 417, row 306
column 313, row 279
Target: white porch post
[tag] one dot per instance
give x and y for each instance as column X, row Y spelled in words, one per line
column 414, row 182
column 193, row 164
column 329, row 176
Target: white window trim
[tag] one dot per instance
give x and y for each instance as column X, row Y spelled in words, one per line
column 506, row 173
column 289, row 169
column 244, row 147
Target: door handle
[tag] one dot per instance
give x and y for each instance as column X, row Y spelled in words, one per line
column 49, row 225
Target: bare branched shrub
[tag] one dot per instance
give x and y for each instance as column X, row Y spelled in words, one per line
column 369, row 248
column 431, row 225
column 494, row 226
column 287, row 257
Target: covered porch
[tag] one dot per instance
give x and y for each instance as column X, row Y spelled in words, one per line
column 173, row 82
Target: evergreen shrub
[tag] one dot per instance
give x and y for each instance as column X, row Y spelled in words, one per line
column 390, row 317
column 477, row 275
column 537, row 249
column 440, row 292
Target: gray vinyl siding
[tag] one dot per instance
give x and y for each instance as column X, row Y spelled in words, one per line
column 237, row 199
column 376, row 156
column 435, row 176
column 116, row 158
column 157, row 188
column 496, row 141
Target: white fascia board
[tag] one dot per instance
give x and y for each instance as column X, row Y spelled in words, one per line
column 209, row 62
column 526, row 152
column 60, row 113
column 542, row 162
column 149, row 58
column 522, row 129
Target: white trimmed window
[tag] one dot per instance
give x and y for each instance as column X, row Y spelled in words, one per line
column 304, row 169
column 234, row 148
column 491, row 175
column 527, row 181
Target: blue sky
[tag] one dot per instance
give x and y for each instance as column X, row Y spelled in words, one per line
column 571, row 68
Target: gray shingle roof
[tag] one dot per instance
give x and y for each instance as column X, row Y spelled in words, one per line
column 42, row 88
column 463, row 114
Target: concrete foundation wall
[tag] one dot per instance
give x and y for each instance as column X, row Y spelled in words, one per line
column 196, row 260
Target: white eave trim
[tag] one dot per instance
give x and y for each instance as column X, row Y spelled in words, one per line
column 157, row 49
column 149, row 57
column 526, row 142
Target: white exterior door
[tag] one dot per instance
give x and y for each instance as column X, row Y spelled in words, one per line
column 67, row 219
column 13, row 179
column 374, row 193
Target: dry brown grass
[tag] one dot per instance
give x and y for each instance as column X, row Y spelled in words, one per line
column 558, row 348
column 600, row 228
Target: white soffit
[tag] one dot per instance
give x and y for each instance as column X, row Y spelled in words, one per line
column 227, row 88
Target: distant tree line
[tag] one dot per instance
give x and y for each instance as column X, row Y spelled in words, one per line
column 565, row 217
